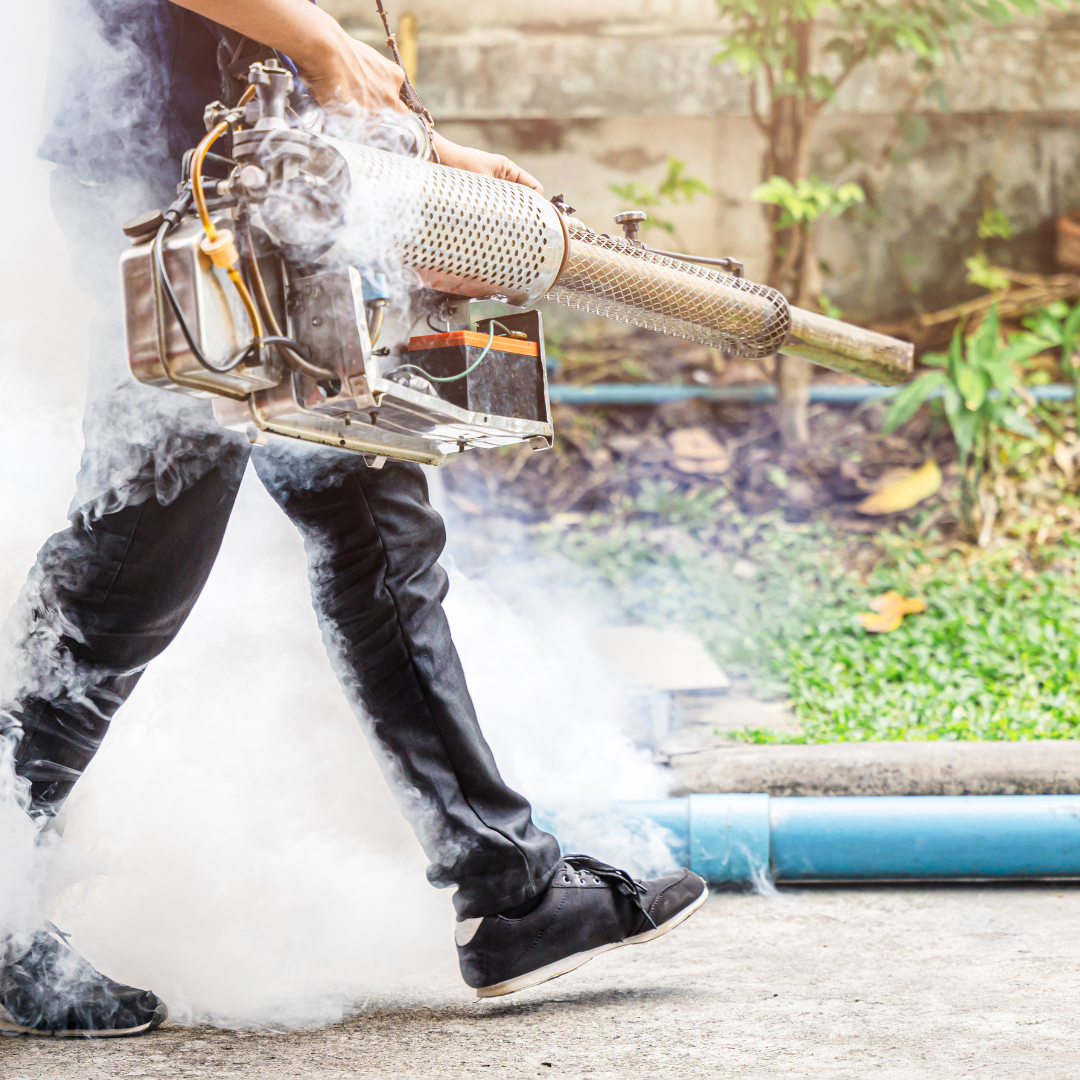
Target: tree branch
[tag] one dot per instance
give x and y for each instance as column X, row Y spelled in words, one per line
column 755, row 113
column 857, row 57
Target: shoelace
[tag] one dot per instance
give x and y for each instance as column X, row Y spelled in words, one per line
column 622, row 881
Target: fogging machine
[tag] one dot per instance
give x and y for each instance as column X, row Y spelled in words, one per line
column 266, row 290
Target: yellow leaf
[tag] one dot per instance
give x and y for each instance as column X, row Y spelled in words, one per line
column 696, row 451
column 880, row 624
column 904, row 492
column 888, row 611
column 893, row 601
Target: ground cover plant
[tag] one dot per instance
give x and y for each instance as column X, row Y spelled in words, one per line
column 764, row 554
column 996, row 655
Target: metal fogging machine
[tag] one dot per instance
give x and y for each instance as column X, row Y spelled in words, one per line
column 266, row 290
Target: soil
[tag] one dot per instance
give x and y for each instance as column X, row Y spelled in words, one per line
column 604, row 455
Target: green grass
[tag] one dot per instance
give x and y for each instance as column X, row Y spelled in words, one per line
column 995, row 656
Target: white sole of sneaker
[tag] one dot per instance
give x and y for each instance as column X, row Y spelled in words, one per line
column 569, row 963
column 9, row 1027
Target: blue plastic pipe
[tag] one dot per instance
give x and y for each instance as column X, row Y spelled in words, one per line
column 727, row 838
column 658, row 393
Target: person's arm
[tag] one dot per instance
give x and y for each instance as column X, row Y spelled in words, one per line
column 338, row 69
column 335, row 67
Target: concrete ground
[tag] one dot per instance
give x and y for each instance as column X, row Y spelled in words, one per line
column 932, row 982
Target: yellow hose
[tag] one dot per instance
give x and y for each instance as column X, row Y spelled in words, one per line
column 199, row 157
column 220, row 248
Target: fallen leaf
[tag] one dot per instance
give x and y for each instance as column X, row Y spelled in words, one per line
column 1064, row 457
column 696, row 451
column 624, row 444
column 893, row 601
column 465, row 504
column 903, row 492
column 888, row 611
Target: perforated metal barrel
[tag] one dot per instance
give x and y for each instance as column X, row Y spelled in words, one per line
column 617, row 279
column 475, row 236
column 462, row 233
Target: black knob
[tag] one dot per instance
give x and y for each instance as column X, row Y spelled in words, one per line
column 144, row 225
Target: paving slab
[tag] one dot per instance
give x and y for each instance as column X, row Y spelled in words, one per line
column 902, row 982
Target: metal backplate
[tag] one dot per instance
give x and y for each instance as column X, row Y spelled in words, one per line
column 326, row 315
column 384, row 418
column 213, row 311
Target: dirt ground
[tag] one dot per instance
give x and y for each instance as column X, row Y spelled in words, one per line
column 934, row 982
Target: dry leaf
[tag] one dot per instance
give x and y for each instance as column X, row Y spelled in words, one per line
column 903, row 492
column 465, row 504
column 696, row 451
column 1064, row 458
column 888, row 611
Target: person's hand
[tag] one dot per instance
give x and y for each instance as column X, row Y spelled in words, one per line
column 480, row 161
column 346, row 73
column 340, row 72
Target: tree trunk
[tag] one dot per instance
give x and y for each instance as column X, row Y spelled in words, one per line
column 793, row 267
column 793, row 374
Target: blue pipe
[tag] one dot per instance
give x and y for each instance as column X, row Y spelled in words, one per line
column 727, row 838
column 757, row 393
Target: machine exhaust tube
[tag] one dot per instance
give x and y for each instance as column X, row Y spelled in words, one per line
column 624, row 280
column 855, row 350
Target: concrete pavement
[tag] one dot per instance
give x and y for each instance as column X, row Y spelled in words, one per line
column 920, row 982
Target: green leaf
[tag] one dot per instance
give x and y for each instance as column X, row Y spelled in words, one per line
column 962, row 421
column 995, row 222
column 827, row 307
column 907, row 402
column 914, row 130
column 936, row 92
column 805, row 201
column 972, row 385
column 677, row 188
column 1018, row 423
column 981, row 273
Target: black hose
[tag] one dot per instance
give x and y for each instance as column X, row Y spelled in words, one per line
column 165, row 284
column 299, row 359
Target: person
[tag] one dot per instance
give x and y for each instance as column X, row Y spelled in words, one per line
column 156, row 486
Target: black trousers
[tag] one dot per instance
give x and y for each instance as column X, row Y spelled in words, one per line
column 121, row 586
column 109, row 593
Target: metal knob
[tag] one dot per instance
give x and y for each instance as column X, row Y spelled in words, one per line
column 254, row 181
column 630, row 220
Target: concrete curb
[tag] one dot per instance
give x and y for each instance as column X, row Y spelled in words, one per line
column 1050, row 767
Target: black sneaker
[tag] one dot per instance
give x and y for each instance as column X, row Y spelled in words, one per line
column 589, row 908
column 51, row 990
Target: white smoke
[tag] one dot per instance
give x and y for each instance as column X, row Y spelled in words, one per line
column 233, row 846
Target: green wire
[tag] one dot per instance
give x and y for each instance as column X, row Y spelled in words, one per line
column 469, row 370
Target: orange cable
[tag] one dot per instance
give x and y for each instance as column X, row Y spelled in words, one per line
column 209, row 228
column 199, row 157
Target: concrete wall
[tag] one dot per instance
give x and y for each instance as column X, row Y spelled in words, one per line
column 587, row 96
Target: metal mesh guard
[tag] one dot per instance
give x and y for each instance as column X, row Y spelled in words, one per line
column 611, row 277
column 463, row 233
